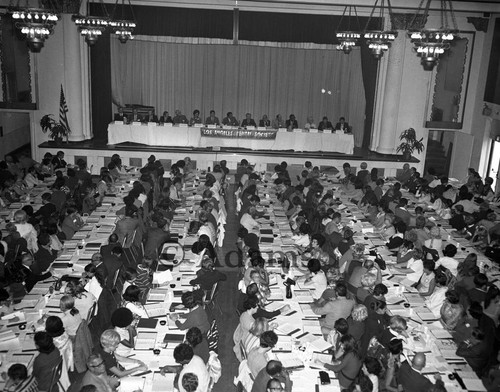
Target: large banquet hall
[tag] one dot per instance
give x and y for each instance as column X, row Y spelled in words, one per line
column 249, row 195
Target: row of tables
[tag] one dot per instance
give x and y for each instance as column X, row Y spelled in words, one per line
column 16, row 335
column 300, row 344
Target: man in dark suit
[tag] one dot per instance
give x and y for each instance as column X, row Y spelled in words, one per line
column 342, row 125
column 212, row 120
column 47, row 209
column 248, row 121
column 155, row 237
column 44, row 256
column 410, row 375
column 230, row 120
column 113, row 263
column 264, row 121
column 325, row 124
column 106, row 249
column 58, row 161
column 100, row 267
column 179, row 118
column 165, row 118
column 30, row 278
column 291, row 123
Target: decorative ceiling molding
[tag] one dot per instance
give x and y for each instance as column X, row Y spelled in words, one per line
column 480, row 24
column 404, row 21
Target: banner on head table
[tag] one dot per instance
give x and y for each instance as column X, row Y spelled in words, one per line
column 238, row 133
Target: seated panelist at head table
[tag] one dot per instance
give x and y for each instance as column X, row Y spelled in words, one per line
column 248, row 121
column 179, row 118
column 325, row 124
column 278, row 122
column 212, row 119
column 264, row 121
column 196, row 119
column 230, row 120
column 310, row 123
column 120, row 116
column 342, row 125
column 165, row 118
column 291, row 123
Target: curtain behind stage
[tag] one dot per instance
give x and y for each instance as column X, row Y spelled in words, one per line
column 239, row 78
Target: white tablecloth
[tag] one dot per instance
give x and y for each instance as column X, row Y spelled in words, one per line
column 156, row 135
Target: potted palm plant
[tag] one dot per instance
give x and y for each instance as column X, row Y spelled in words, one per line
column 56, row 130
column 409, row 143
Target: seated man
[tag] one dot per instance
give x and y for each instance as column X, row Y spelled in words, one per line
column 264, row 121
column 96, row 375
column 278, row 122
column 325, row 124
column 212, row 119
column 410, row 375
column 165, row 118
column 179, row 118
column 291, row 123
column 248, row 121
column 342, row 125
column 230, row 120
column 272, row 375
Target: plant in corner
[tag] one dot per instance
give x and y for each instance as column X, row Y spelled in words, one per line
column 409, row 143
column 56, row 130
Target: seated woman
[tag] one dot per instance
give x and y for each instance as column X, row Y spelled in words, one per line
column 122, row 321
column 110, row 340
column 451, row 311
column 83, row 300
column 427, row 282
column 348, row 366
column 19, row 381
column 259, row 326
column 71, row 223
column 46, row 361
column 204, row 244
column 197, row 316
column 414, row 267
column 131, row 300
column 481, row 238
column 436, row 299
column 70, row 317
column 195, row 339
column 251, row 305
column 433, row 246
column 396, row 240
column 387, row 229
column 302, row 239
column 315, row 278
column 207, row 276
column 368, row 281
column 315, row 251
column 26, row 230
column 206, row 228
column 55, row 329
column 356, row 321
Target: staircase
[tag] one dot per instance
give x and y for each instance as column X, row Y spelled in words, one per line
column 436, row 158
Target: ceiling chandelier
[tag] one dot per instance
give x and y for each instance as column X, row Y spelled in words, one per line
column 36, row 24
column 92, row 27
column 379, row 41
column 430, row 44
column 347, row 38
column 123, row 28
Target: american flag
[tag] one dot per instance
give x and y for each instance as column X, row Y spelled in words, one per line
column 63, row 110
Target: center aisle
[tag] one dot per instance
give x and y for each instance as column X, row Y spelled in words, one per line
column 227, row 298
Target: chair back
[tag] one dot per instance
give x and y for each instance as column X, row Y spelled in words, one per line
column 212, row 294
column 56, row 376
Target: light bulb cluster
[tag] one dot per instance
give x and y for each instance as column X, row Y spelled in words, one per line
column 91, row 27
column 379, row 42
column 123, row 29
column 430, row 44
column 348, row 40
column 35, row 24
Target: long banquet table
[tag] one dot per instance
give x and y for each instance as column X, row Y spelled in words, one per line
column 163, row 135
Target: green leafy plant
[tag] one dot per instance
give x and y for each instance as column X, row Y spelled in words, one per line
column 409, row 143
column 56, row 130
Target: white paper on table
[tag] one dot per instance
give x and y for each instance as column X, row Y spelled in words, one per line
column 128, row 384
column 162, row 277
column 320, row 345
column 163, row 383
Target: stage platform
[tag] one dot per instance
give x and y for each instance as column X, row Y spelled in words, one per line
column 98, row 153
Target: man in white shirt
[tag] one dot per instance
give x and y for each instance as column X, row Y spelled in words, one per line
column 447, row 261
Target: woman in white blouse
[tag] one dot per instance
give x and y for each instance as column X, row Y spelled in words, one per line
column 131, row 301
column 71, row 317
column 435, row 301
